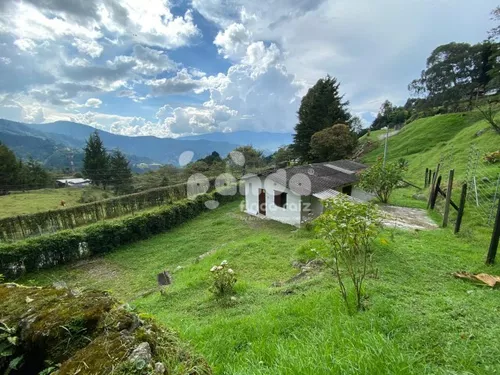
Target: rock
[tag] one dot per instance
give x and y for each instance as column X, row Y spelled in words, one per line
column 480, row 132
column 58, row 285
column 159, row 368
column 419, row 197
column 142, row 353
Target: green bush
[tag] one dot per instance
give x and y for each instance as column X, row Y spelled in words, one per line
column 69, row 245
column 223, row 280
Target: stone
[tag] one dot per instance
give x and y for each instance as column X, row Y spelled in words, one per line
column 58, row 285
column 160, row 368
column 164, row 278
column 142, row 353
column 419, row 197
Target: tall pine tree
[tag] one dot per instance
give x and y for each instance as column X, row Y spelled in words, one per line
column 9, row 169
column 321, row 108
column 96, row 161
column 120, row 173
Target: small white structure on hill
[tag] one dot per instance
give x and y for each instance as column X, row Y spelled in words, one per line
column 73, row 182
column 293, row 195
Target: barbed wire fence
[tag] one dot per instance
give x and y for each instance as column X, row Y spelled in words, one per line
column 484, row 186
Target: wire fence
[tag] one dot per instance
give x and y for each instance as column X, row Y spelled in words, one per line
column 484, row 183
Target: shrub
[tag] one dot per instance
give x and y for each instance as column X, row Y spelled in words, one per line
column 69, row 245
column 492, row 157
column 223, row 280
column 382, row 180
column 349, row 229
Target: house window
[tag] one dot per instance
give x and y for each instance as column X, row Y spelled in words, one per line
column 347, row 190
column 280, row 199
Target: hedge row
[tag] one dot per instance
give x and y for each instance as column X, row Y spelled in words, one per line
column 24, row 226
column 69, row 245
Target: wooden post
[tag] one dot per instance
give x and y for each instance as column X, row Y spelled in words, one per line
column 435, row 193
column 495, row 237
column 434, row 176
column 448, row 198
column 426, row 177
column 461, row 208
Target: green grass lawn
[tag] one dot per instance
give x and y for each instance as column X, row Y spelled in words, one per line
column 20, row 203
column 420, row 319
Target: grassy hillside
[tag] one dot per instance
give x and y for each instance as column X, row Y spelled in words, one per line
column 20, row 203
column 420, row 319
column 425, row 141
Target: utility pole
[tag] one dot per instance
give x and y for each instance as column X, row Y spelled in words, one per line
column 385, row 147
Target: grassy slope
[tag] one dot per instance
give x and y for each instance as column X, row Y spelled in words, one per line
column 42, row 200
column 425, row 141
column 421, row 320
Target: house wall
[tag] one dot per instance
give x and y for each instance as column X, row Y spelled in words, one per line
column 362, row 195
column 290, row 214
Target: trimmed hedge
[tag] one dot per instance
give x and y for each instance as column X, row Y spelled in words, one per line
column 70, row 245
column 24, row 226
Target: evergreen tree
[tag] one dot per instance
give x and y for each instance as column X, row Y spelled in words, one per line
column 321, row 107
column 96, row 161
column 9, row 169
column 120, row 173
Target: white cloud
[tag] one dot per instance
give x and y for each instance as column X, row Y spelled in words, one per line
column 233, row 41
column 25, row 44
column 93, row 102
column 89, row 47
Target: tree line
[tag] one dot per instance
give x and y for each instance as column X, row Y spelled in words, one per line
column 15, row 172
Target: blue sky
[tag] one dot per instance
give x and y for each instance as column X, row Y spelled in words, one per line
column 171, row 68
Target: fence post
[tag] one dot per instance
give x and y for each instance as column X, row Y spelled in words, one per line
column 448, row 198
column 426, row 177
column 435, row 193
column 461, row 208
column 492, row 252
column 434, row 176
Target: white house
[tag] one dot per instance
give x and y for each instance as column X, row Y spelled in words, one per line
column 73, row 182
column 293, row 195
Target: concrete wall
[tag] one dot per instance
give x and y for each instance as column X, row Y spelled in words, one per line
column 290, row 214
column 362, row 195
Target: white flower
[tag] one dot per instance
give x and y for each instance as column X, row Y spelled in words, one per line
column 219, row 268
column 230, row 271
column 213, row 268
column 223, row 263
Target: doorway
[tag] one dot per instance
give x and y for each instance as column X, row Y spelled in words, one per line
column 262, row 202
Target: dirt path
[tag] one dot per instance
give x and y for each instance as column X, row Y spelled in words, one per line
column 407, row 218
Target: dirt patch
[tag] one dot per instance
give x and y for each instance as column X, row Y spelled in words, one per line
column 98, row 269
column 407, row 218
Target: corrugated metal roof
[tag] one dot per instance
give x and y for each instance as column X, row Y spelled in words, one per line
column 330, row 193
column 314, row 178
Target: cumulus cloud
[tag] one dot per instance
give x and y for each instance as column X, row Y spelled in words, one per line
column 93, row 102
column 233, row 41
column 89, row 47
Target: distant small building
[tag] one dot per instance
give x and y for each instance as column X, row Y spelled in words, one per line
column 73, row 182
column 294, row 195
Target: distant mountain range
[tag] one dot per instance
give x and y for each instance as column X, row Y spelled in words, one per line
column 57, row 143
column 268, row 142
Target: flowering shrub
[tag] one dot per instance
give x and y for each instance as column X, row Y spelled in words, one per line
column 223, row 280
column 492, row 157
